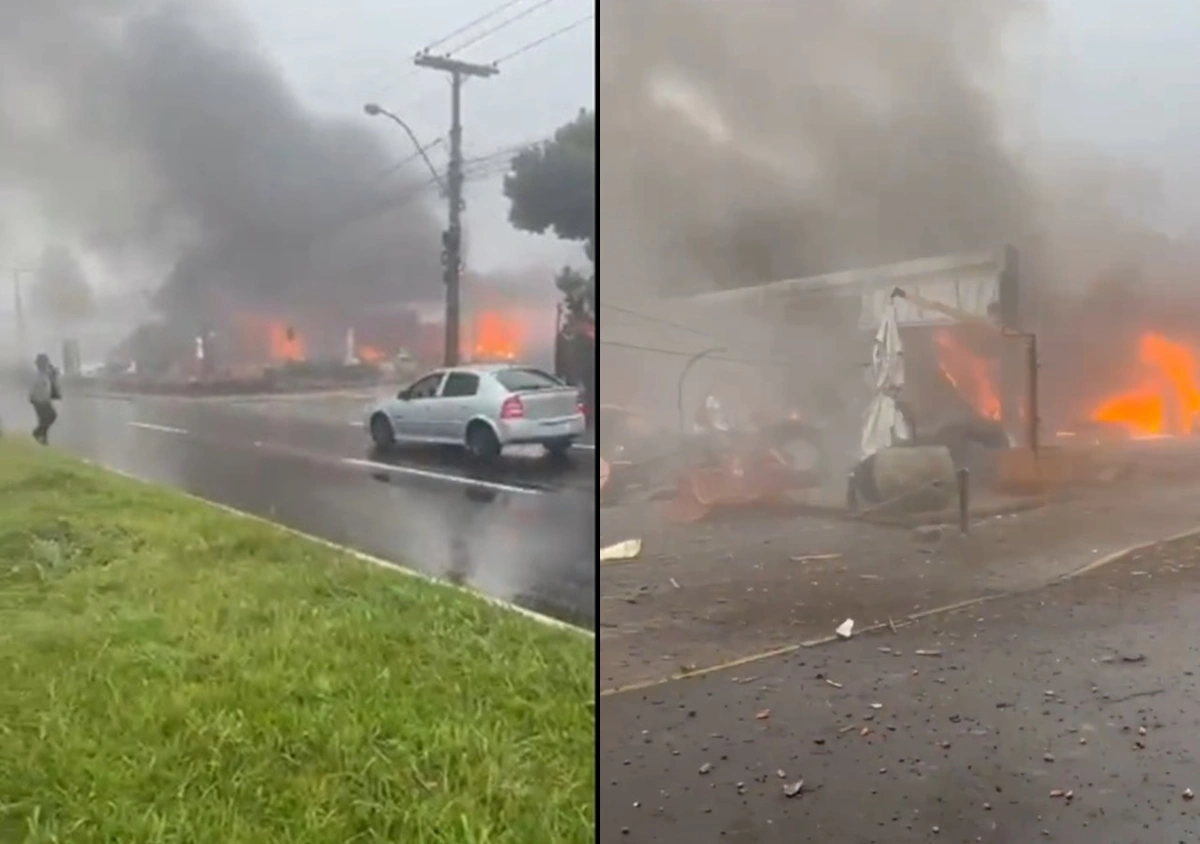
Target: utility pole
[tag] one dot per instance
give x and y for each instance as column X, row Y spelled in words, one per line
column 452, row 237
column 19, row 310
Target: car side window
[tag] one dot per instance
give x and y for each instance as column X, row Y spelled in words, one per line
column 426, row 387
column 460, row 385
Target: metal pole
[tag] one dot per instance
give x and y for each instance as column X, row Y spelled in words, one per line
column 1032, row 409
column 452, row 238
column 963, row 476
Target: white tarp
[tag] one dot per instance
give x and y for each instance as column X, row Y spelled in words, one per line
column 884, row 425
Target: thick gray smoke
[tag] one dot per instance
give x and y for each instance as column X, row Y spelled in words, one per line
column 754, row 141
column 158, row 132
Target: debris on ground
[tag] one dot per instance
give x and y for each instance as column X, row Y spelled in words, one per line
column 846, row 629
column 813, row 558
column 1187, row 794
column 621, row 551
column 706, row 768
column 764, row 715
column 793, row 789
column 928, row 533
column 927, row 653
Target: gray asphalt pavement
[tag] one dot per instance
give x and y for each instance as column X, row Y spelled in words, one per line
column 1068, row 714
column 522, row 530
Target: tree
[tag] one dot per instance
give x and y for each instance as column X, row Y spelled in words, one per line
column 552, row 185
column 61, row 291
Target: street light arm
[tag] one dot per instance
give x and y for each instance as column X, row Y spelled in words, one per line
column 375, row 110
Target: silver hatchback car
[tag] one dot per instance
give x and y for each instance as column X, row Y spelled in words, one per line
column 482, row 407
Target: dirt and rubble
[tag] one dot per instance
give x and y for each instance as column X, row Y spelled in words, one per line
column 703, row 595
column 1066, row 714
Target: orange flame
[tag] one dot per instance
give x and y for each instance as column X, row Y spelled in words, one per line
column 970, row 375
column 286, row 344
column 371, row 354
column 1168, row 399
column 498, row 336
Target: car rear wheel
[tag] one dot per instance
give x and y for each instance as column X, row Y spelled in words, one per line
column 382, row 434
column 482, row 442
column 559, row 448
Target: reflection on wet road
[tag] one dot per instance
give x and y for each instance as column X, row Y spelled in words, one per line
column 523, row 530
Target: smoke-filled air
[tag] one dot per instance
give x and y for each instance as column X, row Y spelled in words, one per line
column 157, row 139
column 748, row 142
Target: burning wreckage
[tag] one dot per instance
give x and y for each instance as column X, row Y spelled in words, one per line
column 953, row 384
column 245, row 352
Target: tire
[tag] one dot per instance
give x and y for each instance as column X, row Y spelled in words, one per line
column 382, row 434
column 482, row 443
column 559, row 448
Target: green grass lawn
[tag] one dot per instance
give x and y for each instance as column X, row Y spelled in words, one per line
column 172, row 673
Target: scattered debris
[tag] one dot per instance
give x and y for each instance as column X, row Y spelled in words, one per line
column 764, row 715
column 812, row 558
column 621, row 551
column 1187, row 794
column 781, row 774
column 833, row 683
column 877, row 706
column 1048, row 757
column 865, row 731
column 793, row 789
column 846, row 628
column 1141, row 731
column 1058, row 792
column 928, row 653
column 706, row 768
column 675, row 583
column 928, row 533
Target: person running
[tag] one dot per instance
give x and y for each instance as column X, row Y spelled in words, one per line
column 42, row 395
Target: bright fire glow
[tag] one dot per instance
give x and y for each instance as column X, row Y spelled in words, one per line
column 286, row 344
column 498, row 336
column 370, row 354
column 970, row 375
column 1166, row 400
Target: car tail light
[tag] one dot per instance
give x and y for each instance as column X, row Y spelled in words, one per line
column 513, row 408
column 579, row 407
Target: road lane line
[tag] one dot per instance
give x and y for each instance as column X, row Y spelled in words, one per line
column 362, row 556
column 439, row 476
column 162, row 429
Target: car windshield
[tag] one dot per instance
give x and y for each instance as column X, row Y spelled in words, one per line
column 524, row 380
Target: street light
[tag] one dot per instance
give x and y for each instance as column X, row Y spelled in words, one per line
column 376, row 110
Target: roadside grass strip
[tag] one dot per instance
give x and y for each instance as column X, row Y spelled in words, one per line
column 170, row 673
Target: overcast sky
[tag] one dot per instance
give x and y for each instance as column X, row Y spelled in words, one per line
column 340, row 55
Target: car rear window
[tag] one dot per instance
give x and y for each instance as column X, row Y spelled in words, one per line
column 517, row 380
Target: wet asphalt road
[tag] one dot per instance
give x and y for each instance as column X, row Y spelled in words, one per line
column 523, row 531
column 1069, row 714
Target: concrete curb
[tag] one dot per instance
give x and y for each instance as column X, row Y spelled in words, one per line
column 361, row 556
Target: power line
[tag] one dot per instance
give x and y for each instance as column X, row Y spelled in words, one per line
column 484, row 17
column 504, row 24
column 540, row 41
column 682, row 354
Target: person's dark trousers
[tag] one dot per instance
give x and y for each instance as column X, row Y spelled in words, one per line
column 46, row 414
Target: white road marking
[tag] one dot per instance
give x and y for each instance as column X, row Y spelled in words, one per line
column 439, row 476
column 163, row 429
column 546, row 620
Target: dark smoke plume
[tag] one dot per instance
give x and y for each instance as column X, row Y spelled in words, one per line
column 754, row 141
column 157, row 132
